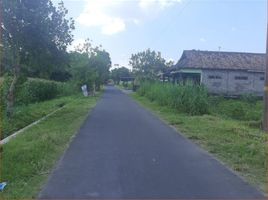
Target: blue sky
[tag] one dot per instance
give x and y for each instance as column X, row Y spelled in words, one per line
column 124, row 27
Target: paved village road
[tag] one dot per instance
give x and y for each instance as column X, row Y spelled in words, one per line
column 124, row 151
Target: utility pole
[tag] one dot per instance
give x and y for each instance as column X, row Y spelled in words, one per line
column 265, row 120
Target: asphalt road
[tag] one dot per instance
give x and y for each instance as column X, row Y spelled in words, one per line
column 124, row 151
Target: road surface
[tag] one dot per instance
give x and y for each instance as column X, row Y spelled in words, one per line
column 124, row 151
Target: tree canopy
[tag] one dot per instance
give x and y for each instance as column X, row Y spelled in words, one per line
column 118, row 73
column 90, row 65
column 147, row 64
column 35, row 34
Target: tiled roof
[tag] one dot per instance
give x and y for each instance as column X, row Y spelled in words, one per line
column 196, row 59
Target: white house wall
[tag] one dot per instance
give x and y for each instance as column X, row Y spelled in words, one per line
column 227, row 83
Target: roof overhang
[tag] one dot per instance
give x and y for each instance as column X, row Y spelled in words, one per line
column 190, row 71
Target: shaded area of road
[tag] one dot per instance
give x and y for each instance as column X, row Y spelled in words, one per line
column 123, row 151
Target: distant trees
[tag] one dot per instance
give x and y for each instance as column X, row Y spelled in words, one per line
column 89, row 65
column 100, row 61
column 147, row 64
column 35, row 35
column 118, row 73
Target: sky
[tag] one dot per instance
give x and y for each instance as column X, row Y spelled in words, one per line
column 125, row 27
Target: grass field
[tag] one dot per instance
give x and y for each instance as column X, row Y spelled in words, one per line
column 28, row 159
column 234, row 142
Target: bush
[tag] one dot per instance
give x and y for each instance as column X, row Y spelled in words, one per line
column 67, row 88
column 251, row 99
column 239, row 109
column 4, row 86
column 35, row 90
column 188, row 98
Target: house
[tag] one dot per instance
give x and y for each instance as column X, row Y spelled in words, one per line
column 226, row 73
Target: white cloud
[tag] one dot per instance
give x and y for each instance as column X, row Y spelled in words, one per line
column 156, row 4
column 112, row 16
column 151, row 9
column 113, row 26
column 95, row 15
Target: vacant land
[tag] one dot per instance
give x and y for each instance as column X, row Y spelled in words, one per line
column 28, row 159
column 238, row 143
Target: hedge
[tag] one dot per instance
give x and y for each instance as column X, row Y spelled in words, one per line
column 34, row 90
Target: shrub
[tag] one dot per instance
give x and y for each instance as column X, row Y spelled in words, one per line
column 4, row 86
column 36, row 90
column 67, row 88
column 188, row 98
column 239, row 109
column 249, row 98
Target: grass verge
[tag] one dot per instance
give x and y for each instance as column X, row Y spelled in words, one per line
column 27, row 114
column 28, row 159
column 231, row 141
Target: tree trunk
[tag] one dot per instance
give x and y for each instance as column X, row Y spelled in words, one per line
column 11, row 92
column 94, row 89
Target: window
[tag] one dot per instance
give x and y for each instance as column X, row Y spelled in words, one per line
column 241, row 78
column 214, row 77
column 262, row 78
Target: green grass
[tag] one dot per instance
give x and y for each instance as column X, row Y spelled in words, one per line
column 28, row 159
column 239, row 146
column 26, row 114
column 243, row 109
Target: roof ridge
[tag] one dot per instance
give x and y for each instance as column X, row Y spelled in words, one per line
column 231, row 52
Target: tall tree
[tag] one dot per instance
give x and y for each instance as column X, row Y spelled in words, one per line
column 147, row 64
column 90, row 65
column 35, row 34
column 118, row 73
column 100, row 60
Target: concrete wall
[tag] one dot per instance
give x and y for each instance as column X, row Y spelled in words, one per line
column 225, row 82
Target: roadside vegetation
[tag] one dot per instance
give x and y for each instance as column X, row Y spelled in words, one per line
column 26, row 114
column 36, row 66
column 187, row 98
column 28, row 159
column 38, row 76
column 228, row 128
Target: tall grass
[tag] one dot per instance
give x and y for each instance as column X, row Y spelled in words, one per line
column 188, row 98
column 194, row 100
